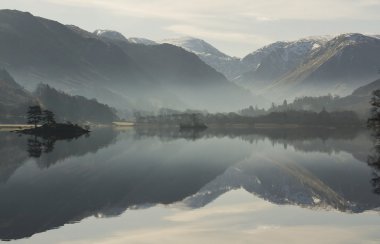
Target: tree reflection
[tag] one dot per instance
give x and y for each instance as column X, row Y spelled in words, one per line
column 374, row 162
column 374, row 124
column 37, row 146
column 34, row 147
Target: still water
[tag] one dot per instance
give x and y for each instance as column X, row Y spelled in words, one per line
column 170, row 186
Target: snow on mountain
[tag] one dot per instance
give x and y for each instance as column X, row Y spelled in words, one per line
column 117, row 36
column 227, row 65
column 110, row 34
column 271, row 62
column 312, row 66
column 356, row 37
column 284, row 51
column 197, row 46
column 139, row 40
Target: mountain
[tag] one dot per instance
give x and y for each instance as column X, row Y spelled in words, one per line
column 114, row 35
column 140, row 40
column 359, row 100
column 117, row 36
column 38, row 50
column 101, row 66
column 271, row 62
column 74, row 108
column 343, row 64
column 313, row 66
column 231, row 67
column 367, row 89
column 13, row 99
column 185, row 75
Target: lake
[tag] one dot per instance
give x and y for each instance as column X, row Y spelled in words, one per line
column 148, row 185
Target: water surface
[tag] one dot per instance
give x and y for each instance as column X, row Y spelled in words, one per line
column 163, row 185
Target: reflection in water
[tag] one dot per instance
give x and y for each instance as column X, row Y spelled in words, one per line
column 107, row 173
column 45, row 151
column 374, row 162
column 37, row 146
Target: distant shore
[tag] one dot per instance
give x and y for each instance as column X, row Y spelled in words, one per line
column 123, row 124
column 10, row 127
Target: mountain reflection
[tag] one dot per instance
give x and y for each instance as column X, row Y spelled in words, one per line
column 107, row 173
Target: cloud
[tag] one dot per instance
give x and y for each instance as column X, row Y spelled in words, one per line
column 238, row 27
column 258, row 9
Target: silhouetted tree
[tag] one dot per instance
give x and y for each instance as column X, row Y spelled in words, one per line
column 374, row 124
column 285, row 104
column 48, row 117
column 374, row 120
column 34, row 115
column 273, row 106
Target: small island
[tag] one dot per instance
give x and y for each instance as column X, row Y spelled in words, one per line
column 45, row 125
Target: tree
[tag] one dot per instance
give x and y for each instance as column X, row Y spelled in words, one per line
column 374, row 120
column 34, row 115
column 273, row 107
column 48, row 117
column 285, row 104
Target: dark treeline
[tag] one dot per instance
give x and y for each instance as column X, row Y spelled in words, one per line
column 323, row 118
column 175, row 119
column 314, row 104
column 303, row 118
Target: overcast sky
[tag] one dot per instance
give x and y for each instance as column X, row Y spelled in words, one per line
column 236, row 27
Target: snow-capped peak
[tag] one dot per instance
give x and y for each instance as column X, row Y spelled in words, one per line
column 139, row 40
column 356, row 37
column 300, row 46
column 195, row 45
column 110, row 34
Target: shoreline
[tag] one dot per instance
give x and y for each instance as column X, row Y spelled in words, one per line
column 12, row 127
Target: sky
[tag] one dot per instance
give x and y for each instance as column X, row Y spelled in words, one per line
column 236, row 27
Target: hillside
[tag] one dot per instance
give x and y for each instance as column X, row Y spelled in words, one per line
column 74, row 108
column 312, row 66
column 229, row 66
column 273, row 61
column 340, row 66
column 13, row 99
column 186, row 76
column 82, row 63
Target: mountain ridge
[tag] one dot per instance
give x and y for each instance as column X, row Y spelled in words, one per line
column 70, row 59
